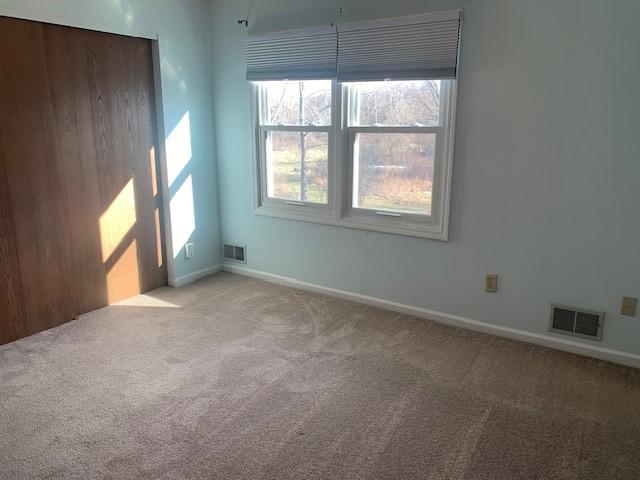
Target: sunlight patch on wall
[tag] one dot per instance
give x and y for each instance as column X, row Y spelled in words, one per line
column 182, row 216
column 178, row 146
column 168, row 69
column 126, row 10
column 118, row 220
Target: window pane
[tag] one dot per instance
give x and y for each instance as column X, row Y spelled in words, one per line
column 297, row 166
column 394, row 171
column 397, row 103
column 305, row 102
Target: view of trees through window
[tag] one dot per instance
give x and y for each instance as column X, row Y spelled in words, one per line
column 297, row 166
column 393, row 170
column 297, row 161
column 299, row 103
column 411, row 103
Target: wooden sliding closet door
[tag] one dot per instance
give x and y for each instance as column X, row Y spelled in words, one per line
column 33, row 189
column 81, row 205
column 102, row 92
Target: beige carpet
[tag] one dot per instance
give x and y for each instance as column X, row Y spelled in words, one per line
column 232, row 378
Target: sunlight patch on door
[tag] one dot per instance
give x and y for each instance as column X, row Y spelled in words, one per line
column 158, row 237
column 118, row 220
column 123, row 279
column 152, row 170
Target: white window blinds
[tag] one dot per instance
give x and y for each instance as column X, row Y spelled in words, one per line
column 309, row 53
column 402, row 48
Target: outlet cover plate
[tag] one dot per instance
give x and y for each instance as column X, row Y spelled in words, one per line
column 629, row 306
column 491, row 283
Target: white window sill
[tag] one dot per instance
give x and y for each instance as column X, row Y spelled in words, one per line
column 325, row 217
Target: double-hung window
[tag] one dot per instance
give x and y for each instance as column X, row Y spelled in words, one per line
column 296, row 143
column 397, row 154
column 354, row 125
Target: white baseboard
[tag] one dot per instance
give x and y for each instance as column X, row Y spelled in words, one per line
column 192, row 277
column 594, row 351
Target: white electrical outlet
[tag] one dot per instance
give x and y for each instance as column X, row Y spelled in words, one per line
column 188, row 250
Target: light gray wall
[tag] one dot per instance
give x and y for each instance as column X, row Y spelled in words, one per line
column 184, row 33
column 546, row 171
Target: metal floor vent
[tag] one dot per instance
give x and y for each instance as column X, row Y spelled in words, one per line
column 576, row 321
column 235, row 253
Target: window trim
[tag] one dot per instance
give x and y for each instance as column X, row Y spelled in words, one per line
column 279, row 207
column 338, row 211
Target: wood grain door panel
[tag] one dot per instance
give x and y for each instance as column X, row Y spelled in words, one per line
column 12, row 315
column 33, row 178
column 80, row 215
column 67, row 65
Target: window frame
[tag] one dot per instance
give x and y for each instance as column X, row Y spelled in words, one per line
column 339, row 211
column 402, row 222
column 278, row 206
